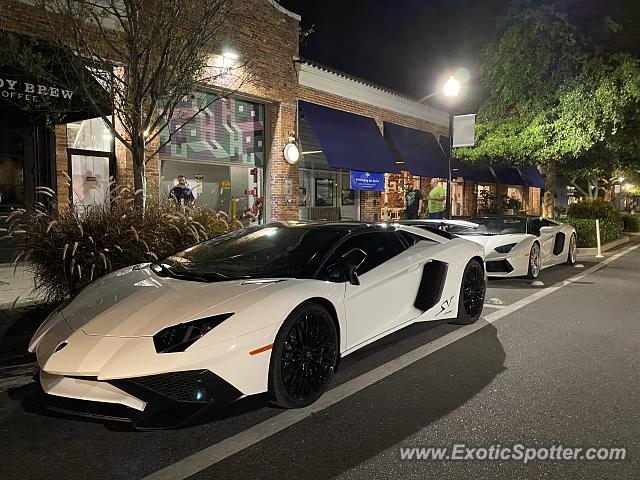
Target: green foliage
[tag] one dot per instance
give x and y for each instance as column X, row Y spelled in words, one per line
column 631, row 222
column 69, row 250
column 597, row 208
column 536, row 52
column 610, row 229
column 552, row 95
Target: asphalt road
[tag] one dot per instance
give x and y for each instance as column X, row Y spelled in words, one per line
column 547, row 365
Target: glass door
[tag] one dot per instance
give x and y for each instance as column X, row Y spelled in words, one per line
column 90, row 176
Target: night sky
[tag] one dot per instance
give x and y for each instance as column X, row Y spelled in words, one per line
column 412, row 46
column 407, row 45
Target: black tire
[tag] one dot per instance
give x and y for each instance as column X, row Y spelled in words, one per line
column 535, row 262
column 573, row 246
column 473, row 289
column 304, row 356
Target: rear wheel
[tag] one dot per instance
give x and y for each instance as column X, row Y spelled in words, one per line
column 573, row 249
column 304, row 356
column 534, row 262
column 472, row 293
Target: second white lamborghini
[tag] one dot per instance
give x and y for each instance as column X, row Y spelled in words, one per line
column 515, row 246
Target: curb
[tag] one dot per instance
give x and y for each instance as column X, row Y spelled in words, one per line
column 604, row 248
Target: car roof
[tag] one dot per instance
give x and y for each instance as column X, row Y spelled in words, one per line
column 348, row 226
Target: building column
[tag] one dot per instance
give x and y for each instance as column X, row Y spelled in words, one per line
column 370, row 203
column 282, row 178
column 62, row 168
column 470, row 206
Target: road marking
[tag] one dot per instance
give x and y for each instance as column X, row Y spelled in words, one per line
column 491, row 305
column 219, row 451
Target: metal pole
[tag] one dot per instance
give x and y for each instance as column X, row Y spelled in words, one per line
column 448, row 199
column 599, row 254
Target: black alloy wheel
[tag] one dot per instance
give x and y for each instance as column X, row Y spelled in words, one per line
column 472, row 292
column 304, row 356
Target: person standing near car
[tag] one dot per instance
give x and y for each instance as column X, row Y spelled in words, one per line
column 413, row 202
column 181, row 192
column 436, row 197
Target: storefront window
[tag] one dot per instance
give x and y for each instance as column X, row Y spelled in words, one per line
column 325, row 193
column 396, row 185
column 220, row 151
column 486, row 198
column 89, row 144
column 90, row 134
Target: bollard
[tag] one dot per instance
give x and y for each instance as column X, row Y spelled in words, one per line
column 599, row 254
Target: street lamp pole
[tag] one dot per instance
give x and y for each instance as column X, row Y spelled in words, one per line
column 448, row 209
column 451, row 89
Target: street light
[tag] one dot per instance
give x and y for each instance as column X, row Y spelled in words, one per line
column 451, row 90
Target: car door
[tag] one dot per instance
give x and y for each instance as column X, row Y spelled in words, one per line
column 388, row 286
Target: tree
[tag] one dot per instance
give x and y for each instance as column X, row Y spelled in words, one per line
column 601, row 114
column 148, row 55
column 536, row 53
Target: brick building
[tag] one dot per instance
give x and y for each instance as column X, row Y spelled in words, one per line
column 232, row 154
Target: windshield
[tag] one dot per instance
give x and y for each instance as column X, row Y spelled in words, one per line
column 271, row 251
column 491, row 226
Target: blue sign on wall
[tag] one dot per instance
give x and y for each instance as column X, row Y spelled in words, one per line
column 366, row 181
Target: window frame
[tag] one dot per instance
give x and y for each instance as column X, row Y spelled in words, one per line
column 392, row 232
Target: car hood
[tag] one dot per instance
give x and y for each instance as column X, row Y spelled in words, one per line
column 137, row 302
column 489, row 242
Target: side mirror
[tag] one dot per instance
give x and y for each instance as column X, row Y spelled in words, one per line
column 351, row 261
column 545, row 230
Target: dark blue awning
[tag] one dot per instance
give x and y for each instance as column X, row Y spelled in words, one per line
column 349, row 141
column 478, row 175
column 508, row 176
column 419, row 151
column 532, row 176
column 468, row 172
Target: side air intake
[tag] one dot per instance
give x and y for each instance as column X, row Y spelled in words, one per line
column 434, row 275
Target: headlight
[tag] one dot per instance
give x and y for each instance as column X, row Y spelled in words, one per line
column 505, row 248
column 178, row 337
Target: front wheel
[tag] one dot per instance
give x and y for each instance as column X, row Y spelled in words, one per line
column 534, row 262
column 573, row 249
column 472, row 293
column 304, row 356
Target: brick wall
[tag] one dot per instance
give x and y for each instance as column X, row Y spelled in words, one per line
column 62, row 167
column 470, row 202
column 533, row 197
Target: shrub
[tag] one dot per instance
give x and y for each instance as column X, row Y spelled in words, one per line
column 597, row 208
column 68, row 250
column 610, row 229
column 631, row 222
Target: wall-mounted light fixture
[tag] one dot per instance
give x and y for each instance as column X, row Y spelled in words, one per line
column 291, row 150
column 229, row 58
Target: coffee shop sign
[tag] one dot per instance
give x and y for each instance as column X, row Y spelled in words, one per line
column 17, row 90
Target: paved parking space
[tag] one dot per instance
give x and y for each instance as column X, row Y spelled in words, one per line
column 549, row 371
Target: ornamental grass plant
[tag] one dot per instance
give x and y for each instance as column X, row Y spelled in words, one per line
column 68, row 249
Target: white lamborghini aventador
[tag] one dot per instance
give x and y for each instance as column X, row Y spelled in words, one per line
column 264, row 309
column 516, row 246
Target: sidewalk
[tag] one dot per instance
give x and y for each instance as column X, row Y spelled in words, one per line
column 15, row 286
column 17, row 322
